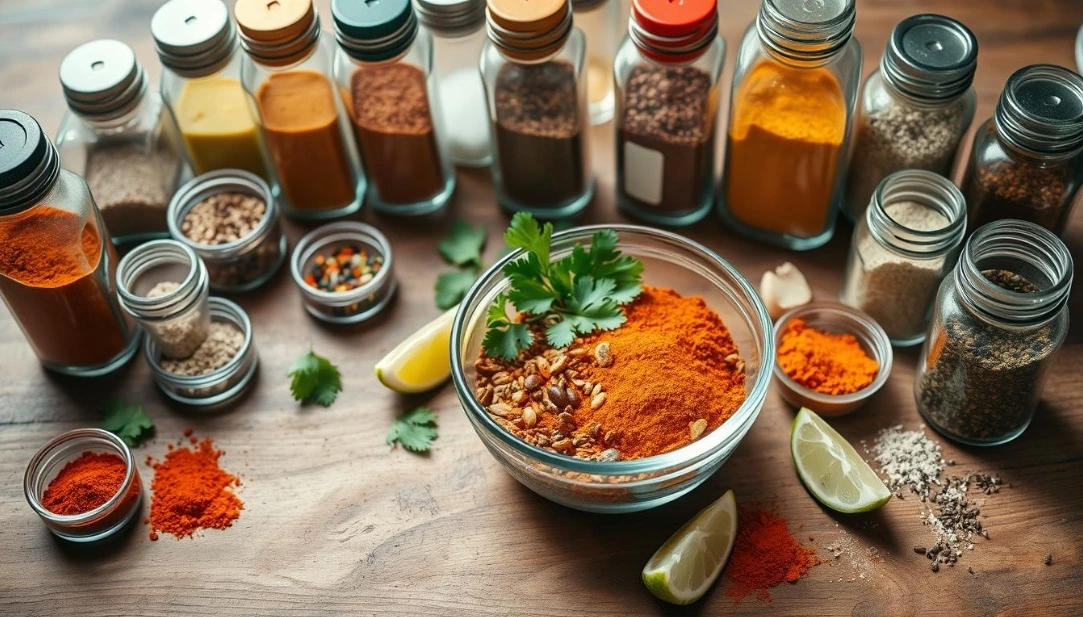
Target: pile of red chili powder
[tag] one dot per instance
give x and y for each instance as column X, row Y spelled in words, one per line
column 191, row 491
column 765, row 555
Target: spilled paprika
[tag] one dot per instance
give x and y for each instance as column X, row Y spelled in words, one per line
column 765, row 555
column 191, row 492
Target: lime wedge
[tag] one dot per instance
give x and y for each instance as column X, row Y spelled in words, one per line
column 422, row 361
column 690, row 561
column 831, row 469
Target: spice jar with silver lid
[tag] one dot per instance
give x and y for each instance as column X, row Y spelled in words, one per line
column 119, row 136
column 906, row 242
column 998, row 321
column 1026, row 161
column 916, row 108
column 231, row 221
column 601, row 25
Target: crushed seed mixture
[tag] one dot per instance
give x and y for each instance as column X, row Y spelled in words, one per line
column 908, row 459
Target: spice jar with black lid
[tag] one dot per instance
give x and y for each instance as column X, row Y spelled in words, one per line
column 119, row 136
column 916, row 108
column 383, row 66
column 533, row 68
column 999, row 319
column 667, row 73
column 1026, row 161
column 57, row 265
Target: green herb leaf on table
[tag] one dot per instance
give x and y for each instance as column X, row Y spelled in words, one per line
column 128, row 421
column 464, row 246
column 451, row 286
column 415, row 430
column 314, row 378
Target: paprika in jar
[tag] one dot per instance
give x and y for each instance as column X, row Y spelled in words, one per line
column 57, row 264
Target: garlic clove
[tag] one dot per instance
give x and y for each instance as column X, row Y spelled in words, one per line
column 784, row 288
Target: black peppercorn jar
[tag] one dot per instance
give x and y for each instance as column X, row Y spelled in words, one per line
column 1026, row 162
column 998, row 321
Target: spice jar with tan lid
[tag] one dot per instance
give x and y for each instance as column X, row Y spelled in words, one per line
column 383, row 67
column 288, row 74
column 533, row 67
column 667, row 73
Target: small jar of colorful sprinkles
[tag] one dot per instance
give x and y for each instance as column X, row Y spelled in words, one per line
column 344, row 272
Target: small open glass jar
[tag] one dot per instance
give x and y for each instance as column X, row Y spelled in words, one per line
column 357, row 304
column 244, row 263
column 102, row 522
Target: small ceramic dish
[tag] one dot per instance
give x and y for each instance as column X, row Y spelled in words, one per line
column 839, row 319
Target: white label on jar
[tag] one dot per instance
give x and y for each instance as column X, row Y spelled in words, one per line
column 643, row 169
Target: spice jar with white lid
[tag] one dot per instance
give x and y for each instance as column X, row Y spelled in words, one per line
column 533, row 68
column 458, row 32
column 603, row 28
column 201, row 83
column 287, row 73
column 906, row 242
column 119, row 136
column 916, row 108
column 1026, row 161
column 667, row 74
column 383, row 67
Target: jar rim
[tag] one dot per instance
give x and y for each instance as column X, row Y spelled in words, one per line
column 148, row 256
column 214, row 183
column 319, row 238
column 805, row 41
column 928, row 189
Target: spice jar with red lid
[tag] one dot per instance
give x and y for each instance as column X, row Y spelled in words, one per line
column 667, row 73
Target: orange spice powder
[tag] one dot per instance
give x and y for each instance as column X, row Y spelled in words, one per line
column 826, row 362
column 192, row 492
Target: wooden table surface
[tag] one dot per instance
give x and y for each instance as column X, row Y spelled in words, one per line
column 336, row 523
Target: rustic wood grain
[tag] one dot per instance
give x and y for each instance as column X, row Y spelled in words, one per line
column 335, row 523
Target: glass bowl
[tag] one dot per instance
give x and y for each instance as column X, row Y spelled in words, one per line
column 841, row 319
column 625, row 486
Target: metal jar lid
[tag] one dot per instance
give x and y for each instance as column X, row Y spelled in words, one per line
column 193, row 38
column 102, row 79
column 806, row 31
column 277, row 33
column 528, row 29
column 930, row 57
column 374, row 31
column 1041, row 110
column 673, row 32
column 451, row 17
column 29, row 164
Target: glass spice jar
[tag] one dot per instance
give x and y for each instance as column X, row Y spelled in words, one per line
column 601, row 25
column 383, row 66
column 119, row 136
column 997, row 324
column 201, row 83
column 56, row 259
column 287, row 75
column 794, row 90
column 532, row 66
column 916, row 108
column 1026, row 163
column 667, row 74
column 457, row 36
column 906, row 242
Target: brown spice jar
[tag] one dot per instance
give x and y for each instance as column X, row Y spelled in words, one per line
column 52, row 283
column 392, row 120
column 1008, row 189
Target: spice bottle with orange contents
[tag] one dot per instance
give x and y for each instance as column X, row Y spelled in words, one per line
column 383, row 68
column 794, row 91
column 57, row 264
column 287, row 73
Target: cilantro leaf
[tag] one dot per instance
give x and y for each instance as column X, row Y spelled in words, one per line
column 314, row 378
column 128, row 421
column 507, row 342
column 464, row 246
column 451, row 286
column 524, row 233
column 415, row 430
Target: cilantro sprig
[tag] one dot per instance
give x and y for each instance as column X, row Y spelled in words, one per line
column 463, row 249
column 314, row 378
column 415, row 430
column 576, row 294
column 128, row 421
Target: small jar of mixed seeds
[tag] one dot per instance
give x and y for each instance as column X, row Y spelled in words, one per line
column 998, row 321
column 230, row 219
column 344, row 272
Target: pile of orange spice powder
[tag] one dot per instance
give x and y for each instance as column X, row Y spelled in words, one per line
column 826, row 362
column 191, row 492
column 764, row 555
column 85, row 483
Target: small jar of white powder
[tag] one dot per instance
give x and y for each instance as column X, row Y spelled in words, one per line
column 902, row 248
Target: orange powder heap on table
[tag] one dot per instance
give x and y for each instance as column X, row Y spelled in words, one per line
column 764, row 555
column 828, row 363
column 85, row 483
column 192, row 492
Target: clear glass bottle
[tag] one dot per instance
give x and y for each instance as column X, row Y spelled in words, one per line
column 1026, row 163
column 603, row 28
column 667, row 73
column 916, row 108
column 120, row 138
column 905, row 243
column 458, row 32
column 383, row 67
column 533, row 69
column 794, row 90
column 287, row 74
column 57, row 262
column 201, row 83
column 997, row 324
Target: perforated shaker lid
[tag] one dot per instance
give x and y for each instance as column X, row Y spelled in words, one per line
column 1041, row 109
column 277, row 31
column 193, row 37
column 528, row 29
column 374, row 31
column 931, row 57
column 102, row 79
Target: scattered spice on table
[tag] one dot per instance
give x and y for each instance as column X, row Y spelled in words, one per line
column 224, row 340
column 348, row 267
column 191, row 492
column 765, row 555
column 85, row 483
column 825, row 362
column 954, row 518
column 178, row 338
column 908, row 459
